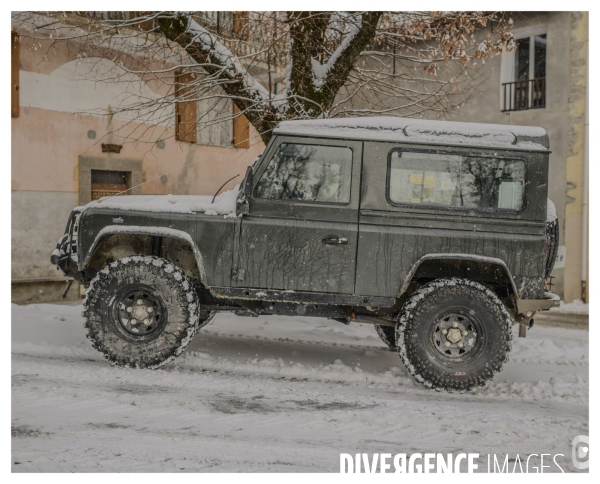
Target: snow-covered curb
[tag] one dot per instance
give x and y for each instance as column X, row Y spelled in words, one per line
column 574, row 307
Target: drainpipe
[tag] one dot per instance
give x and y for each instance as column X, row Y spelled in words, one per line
column 586, row 168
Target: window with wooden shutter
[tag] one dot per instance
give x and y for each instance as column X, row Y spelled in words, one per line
column 241, row 129
column 186, row 111
column 215, row 126
column 15, row 66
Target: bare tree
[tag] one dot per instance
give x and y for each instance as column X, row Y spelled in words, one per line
column 276, row 66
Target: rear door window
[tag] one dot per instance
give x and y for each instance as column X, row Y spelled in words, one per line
column 455, row 180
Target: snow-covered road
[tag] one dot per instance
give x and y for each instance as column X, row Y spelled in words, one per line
column 277, row 394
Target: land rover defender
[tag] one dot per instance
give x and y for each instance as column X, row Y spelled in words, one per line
column 437, row 233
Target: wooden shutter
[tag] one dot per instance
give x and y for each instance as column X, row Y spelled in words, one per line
column 241, row 129
column 186, row 115
column 14, row 66
column 147, row 25
column 240, row 19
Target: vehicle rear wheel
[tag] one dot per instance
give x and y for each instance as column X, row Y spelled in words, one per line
column 142, row 312
column 454, row 335
column 387, row 335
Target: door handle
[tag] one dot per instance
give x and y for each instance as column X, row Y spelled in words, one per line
column 334, row 240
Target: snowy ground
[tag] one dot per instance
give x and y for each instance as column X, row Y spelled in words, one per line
column 575, row 307
column 277, row 394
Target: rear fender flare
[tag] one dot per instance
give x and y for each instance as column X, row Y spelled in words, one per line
column 460, row 257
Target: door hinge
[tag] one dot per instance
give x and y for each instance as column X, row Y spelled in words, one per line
column 238, row 274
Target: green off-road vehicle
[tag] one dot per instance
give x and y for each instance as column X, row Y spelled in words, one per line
column 437, row 233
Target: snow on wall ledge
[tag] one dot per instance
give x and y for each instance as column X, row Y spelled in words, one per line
column 387, row 128
column 224, row 203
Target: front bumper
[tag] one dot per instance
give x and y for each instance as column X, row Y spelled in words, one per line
column 65, row 256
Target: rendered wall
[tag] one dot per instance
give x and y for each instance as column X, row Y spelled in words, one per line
column 51, row 134
column 557, row 118
column 575, row 160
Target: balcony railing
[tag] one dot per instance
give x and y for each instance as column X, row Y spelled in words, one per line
column 521, row 95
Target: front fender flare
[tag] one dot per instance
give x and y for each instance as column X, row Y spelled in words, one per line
column 152, row 231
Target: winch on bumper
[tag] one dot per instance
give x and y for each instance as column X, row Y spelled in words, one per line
column 65, row 256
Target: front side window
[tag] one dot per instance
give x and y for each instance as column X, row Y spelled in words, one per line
column 455, row 180
column 307, row 172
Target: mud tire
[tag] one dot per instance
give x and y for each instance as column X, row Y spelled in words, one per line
column 415, row 335
column 179, row 321
column 387, row 335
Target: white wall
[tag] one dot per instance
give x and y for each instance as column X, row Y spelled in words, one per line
column 82, row 87
column 38, row 220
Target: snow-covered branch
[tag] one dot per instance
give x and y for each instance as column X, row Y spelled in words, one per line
column 320, row 71
column 214, row 48
column 278, row 65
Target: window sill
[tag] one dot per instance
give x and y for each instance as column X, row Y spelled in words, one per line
column 215, row 146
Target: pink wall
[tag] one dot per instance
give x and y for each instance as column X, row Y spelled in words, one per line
column 46, row 146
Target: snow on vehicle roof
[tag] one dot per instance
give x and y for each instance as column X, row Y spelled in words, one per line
column 387, row 128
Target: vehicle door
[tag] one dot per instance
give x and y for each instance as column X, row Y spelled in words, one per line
column 300, row 233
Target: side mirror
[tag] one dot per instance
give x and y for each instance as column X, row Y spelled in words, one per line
column 248, row 179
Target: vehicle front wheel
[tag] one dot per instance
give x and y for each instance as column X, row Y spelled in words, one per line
column 142, row 312
column 453, row 334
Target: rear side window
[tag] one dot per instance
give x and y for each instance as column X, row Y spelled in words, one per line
column 310, row 173
column 456, row 180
